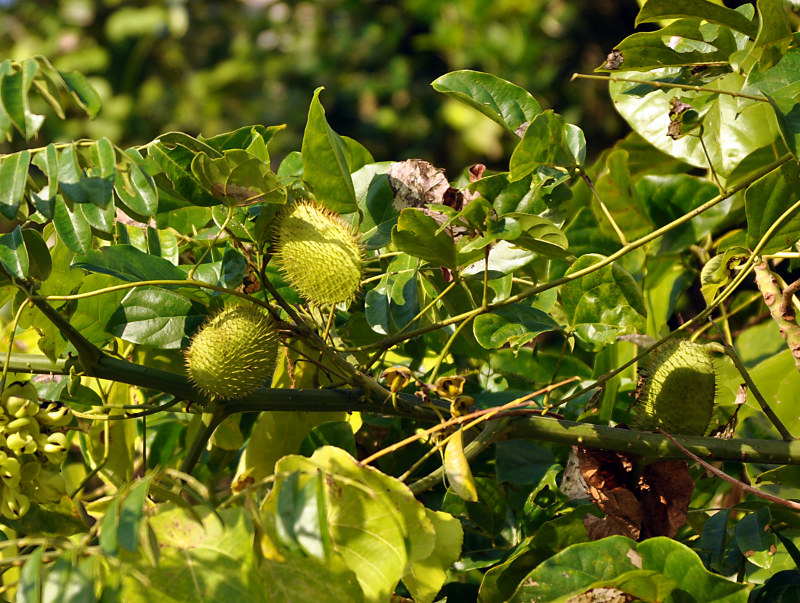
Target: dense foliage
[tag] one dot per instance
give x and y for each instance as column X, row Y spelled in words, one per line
column 210, row 66
column 470, row 423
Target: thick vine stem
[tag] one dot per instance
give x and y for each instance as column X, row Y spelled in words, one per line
column 310, row 400
column 783, row 314
column 653, row 445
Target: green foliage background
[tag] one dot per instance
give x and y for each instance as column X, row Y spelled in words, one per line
column 208, row 67
column 540, row 283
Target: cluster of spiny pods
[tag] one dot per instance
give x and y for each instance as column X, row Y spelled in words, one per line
column 235, row 351
column 32, row 449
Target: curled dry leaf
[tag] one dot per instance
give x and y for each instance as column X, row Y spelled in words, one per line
column 654, row 503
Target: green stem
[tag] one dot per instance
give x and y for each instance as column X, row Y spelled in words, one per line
column 583, row 76
column 620, row 235
column 445, row 350
column 217, row 411
column 152, row 283
column 481, row 442
column 765, row 407
column 211, row 245
column 11, row 336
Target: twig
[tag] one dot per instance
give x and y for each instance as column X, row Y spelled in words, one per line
column 722, row 475
column 752, row 386
column 606, row 212
column 584, row 76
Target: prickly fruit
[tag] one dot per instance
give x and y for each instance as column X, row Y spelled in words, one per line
column 233, row 353
column 318, row 254
column 676, row 389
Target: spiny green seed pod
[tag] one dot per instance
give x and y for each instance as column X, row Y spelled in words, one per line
column 318, row 254
column 233, row 353
column 677, row 386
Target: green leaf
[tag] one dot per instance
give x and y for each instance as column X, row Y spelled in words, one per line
column 253, row 139
column 669, row 197
column 375, row 200
column 72, row 227
column 374, row 522
column 666, row 280
column 787, row 113
column 782, row 587
column 416, row 234
column 603, row 304
column 333, row 433
column 774, row 30
column 713, row 541
column 755, row 538
column 14, row 89
column 40, row 264
column 13, row 177
column 300, row 520
column 156, row 317
column 29, row 588
column 93, row 313
column 47, row 161
column 781, row 79
column 655, row 10
column 13, row 254
column 325, row 166
column 685, row 42
column 650, row 570
column 717, row 272
column 730, row 132
column 71, row 578
column 130, row 515
column 427, row 576
column 207, row 560
column 136, row 188
column 549, row 141
column 515, row 324
column 309, row 580
column 616, row 189
column 71, row 178
column 176, row 163
column 766, row 200
column 500, row 582
column 99, row 218
column 127, row 263
column 53, row 520
column 83, row 92
column 500, row 100
column 238, row 178
column 376, row 307
column 276, row 434
column 108, row 532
